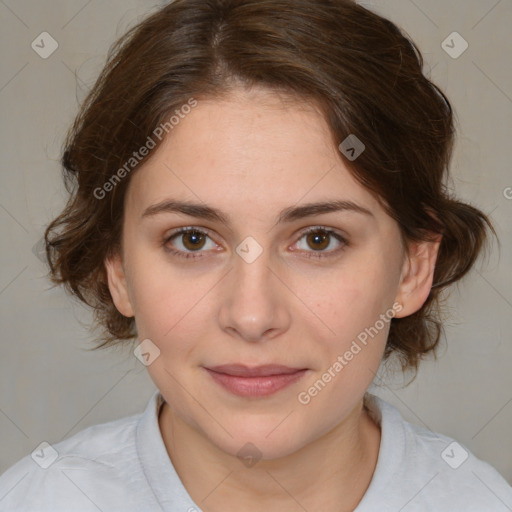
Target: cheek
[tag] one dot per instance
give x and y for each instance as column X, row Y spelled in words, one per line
column 164, row 314
column 172, row 307
column 356, row 305
column 352, row 298
column 350, row 359
column 163, row 295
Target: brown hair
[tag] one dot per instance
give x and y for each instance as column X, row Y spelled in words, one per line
column 357, row 67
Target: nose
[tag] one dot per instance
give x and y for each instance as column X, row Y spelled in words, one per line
column 253, row 302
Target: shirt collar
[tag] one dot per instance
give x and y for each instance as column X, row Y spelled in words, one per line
column 172, row 495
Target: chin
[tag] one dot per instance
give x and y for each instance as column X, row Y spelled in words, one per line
column 267, row 440
column 252, row 449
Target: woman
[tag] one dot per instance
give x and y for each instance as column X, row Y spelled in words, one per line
column 259, row 199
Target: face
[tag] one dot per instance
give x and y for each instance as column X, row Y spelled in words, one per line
column 259, row 279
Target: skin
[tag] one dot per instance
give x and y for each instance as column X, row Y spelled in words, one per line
column 251, row 155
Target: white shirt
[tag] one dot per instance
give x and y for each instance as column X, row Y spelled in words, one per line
column 123, row 466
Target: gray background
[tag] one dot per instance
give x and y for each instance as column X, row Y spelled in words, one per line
column 51, row 386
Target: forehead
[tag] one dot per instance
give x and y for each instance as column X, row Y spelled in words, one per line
column 249, row 150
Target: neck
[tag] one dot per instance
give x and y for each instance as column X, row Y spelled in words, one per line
column 331, row 473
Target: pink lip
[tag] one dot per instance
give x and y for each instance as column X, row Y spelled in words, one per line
column 257, row 381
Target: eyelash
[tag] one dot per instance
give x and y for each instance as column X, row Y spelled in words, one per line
column 310, row 254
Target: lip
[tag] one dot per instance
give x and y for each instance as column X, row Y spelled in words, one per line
column 255, row 381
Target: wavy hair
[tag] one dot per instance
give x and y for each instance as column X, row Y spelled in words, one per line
column 362, row 72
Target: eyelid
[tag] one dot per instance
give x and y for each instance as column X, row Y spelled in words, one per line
column 183, row 230
column 319, row 227
column 342, row 238
column 187, row 229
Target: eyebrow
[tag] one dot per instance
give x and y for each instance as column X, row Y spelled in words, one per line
column 289, row 214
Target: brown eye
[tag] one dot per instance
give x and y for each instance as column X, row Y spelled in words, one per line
column 321, row 243
column 189, row 243
column 193, row 240
column 318, row 240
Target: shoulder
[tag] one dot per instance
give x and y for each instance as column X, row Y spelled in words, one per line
column 455, row 474
column 83, row 469
column 432, row 471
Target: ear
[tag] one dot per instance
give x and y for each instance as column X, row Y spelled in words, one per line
column 417, row 276
column 117, row 285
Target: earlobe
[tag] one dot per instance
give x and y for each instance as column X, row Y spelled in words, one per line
column 417, row 276
column 117, row 285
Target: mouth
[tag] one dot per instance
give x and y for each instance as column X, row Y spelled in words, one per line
column 256, row 381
